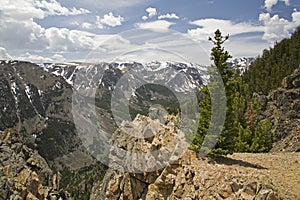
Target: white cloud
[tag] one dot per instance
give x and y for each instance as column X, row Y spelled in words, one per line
column 109, row 4
column 58, row 58
column 21, row 32
column 74, row 23
column 17, row 34
column 19, row 29
column 239, row 46
column 109, row 47
column 287, row 2
column 57, row 38
column 296, row 17
column 21, row 10
column 151, row 12
column 269, row 4
column 54, row 8
column 4, row 55
column 246, row 46
column 33, row 58
column 273, row 28
column 168, row 16
column 86, row 25
column 137, row 46
column 29, row 9
column 276, row 28
column 209, row 26
column 161, row 25
column 63, row 39
column 98, row 23
column 144, row 18
column 109, row 20
column 27, row 35
column 30, row 57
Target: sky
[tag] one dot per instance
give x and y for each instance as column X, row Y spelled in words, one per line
column 77, row 30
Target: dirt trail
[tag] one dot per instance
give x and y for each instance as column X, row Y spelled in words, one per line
column 283, row 168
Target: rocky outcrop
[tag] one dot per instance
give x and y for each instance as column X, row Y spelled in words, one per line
column 187, row 177
column 191, row 178
column 283, row 108
column 24, row 174
column 157, row 142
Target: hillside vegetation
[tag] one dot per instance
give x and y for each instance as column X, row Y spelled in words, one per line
column 268, row 70
column 250, row 121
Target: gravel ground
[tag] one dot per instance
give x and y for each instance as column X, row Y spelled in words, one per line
column 283, row 169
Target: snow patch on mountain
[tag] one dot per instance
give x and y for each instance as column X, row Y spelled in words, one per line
column 240, row 64
column 154, row 71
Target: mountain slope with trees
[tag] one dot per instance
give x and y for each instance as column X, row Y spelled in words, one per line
column 269, row 69
column 248, row 128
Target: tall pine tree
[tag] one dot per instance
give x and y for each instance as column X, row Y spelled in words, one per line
column 225, row 143
column 242, row 131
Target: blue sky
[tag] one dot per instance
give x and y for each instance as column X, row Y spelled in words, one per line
column 69, row 30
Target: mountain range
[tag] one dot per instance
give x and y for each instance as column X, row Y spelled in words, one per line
column 36, row 116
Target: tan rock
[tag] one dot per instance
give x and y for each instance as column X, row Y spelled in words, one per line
column 250, row 188
column 22, row 178
column 225, row 191
column 236, row 187
column 30, row 196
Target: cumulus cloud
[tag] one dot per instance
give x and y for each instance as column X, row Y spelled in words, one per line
column 19, row 30
column 31, row 36
column 270, row 3
column 21, row 10
column 161, row 25
column 276, row 28
column 54, row 8
column 29, row 9
column 109, row 20
column 296, row 17
column 17, row 34
column 168, row 16
column 271, row 29
column 63, row 39
column 151, row 12
column 209, row 26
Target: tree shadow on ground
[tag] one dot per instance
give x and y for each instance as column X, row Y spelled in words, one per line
column 231, row 161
